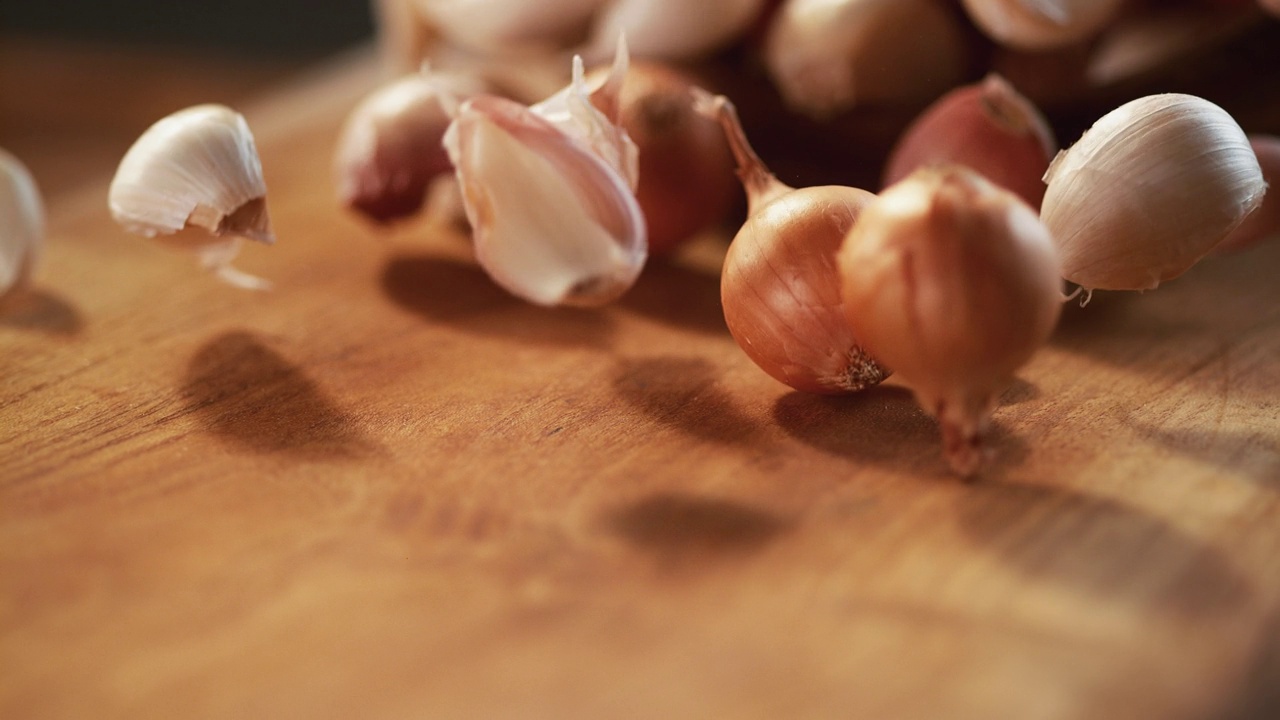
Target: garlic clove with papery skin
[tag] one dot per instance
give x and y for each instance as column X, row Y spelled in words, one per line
column 1265, row 221
column 826, row 56
column 390, row 148
column 1041, row 24
column 553, row 222
column 507, row 25
column 954, row 283
column 21, row 224
column 672, row 29
column 1150, row 189
column 196, row 168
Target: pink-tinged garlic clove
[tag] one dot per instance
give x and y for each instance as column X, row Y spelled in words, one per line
column 21, row 224
column 988, row 127
column 954, row 283
column 197, row 168
column 826, row 56
column 1263, row 222
column 1150, row 189
column 390, row 149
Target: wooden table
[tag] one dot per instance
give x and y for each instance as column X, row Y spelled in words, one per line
column 386, row 490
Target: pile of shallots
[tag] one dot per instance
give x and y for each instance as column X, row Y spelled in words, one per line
column 950, row 275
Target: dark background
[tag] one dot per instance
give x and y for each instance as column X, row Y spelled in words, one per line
column 258, row 28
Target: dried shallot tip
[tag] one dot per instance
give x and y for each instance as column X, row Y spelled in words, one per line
column 21, row 224
column 671, row 29
column 390, row 149
column 686, row 180
column 987, row 126
column 548, row 192
column 504, row 26
column 1150, row 189
column 954, row 283
column 1042, row 24
column 826, row 56
column 1264, row 222
column 197, row 170
column 780, row 288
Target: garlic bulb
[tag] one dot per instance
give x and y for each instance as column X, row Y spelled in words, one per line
column 1265, row 221
column 988, row 127
column 21, row 223
column 780, row 288
column 1150, row 189
column 954, row 283
column 1041, row 24
column 196, row 168
column 672, row 29
column 506, row 25
column 828, row 55
column 390, row 149
column 549, row 193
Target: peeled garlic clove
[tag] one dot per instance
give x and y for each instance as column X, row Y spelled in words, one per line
column 506, row 25
column 21, row 224
column 196, row 168
column 1265, row 221
column 828, row 55
column 988, row 127
column 390, row 149
column 1151, row 188
column 1041, row 24
column 954, row 283
column 672, row 29
column 553, row 222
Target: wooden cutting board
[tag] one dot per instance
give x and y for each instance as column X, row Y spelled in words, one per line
column 386, row 490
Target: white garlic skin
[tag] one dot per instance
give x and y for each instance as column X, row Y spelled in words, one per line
column 198, row 166
column 1041, row 24
column 553, row 223
column 1150, row 189
column 390, row 147
column 1264, row 222
column 954, row 283
column 828, row 55
column 21, row 224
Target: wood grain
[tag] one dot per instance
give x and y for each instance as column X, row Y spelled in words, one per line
column 386, row 489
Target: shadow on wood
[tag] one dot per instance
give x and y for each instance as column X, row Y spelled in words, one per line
column 1254, row 455
column 678, row 527
column 35, row 309
column 682, row 393
column 253, row 397
column 678, row 296
column 1100, row 548
column 459, row 294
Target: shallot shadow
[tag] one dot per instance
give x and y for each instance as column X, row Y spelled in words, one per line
column 459, row 294
column 678, row 527
column 1254, row 455
column 682, row 393
column 42, row 311
column 678, row 296
column 251, row 396
column 1099, row 548
column 883, row 425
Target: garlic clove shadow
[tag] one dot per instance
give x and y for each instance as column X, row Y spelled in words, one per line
column 197, row 168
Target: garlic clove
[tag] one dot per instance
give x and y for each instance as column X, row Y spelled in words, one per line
column 21, row 224
column 390, row 150
column 954, row 283
column 553, row 222
column 1151, row 188
column 829, row 55
column 1144, row 43
column 988, row 127
column 1041, row 24
column 507, row 25
column 672, row 29
column 1265, row 221
column 196, row 168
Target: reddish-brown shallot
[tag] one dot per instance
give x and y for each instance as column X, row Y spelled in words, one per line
column 779, row 287
column 986, row 126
